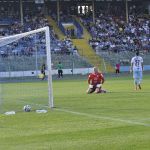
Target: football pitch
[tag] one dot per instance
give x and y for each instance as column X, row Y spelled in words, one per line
column 117, row 120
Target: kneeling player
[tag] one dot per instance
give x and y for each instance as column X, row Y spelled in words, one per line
column 95, row 81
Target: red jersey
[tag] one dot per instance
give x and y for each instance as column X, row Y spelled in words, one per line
column 96, row 78
column 118, row 66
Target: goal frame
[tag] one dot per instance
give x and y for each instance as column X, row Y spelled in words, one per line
column 48, row 55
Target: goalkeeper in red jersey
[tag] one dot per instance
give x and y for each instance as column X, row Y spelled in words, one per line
column 95, row 81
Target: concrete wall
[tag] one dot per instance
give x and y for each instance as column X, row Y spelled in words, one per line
column 31, row 73
column 82, row 71
column 127, row 68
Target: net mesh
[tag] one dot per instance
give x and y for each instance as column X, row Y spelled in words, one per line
column 22, row 58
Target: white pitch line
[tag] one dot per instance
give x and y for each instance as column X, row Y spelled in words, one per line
column 145, row 119
column 95, row 116
column 104, row 118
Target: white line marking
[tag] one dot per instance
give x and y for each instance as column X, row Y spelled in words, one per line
column 104, row 118
column 145, row 119
column 95, row 116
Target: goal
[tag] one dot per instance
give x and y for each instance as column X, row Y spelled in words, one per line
column 25, row 71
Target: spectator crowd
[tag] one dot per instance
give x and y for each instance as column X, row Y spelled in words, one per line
column 29, row 45
column 111, row 32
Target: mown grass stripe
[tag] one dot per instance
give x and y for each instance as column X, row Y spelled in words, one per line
column 104, row 117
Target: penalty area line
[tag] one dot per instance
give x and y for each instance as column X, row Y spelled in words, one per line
column 103, row 117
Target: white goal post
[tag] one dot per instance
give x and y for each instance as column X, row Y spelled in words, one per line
column 7, row 40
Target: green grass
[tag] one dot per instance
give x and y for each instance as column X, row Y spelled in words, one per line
column 118, row 120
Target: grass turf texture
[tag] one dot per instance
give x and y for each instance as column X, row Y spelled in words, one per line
column 118, row 120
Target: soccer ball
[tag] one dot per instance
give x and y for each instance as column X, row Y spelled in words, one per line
column 27, row 108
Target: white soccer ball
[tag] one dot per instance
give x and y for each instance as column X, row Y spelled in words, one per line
column 27, row 108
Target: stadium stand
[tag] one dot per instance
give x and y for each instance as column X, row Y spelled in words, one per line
column 32, row 22
column 113, row 38
column 110, row 36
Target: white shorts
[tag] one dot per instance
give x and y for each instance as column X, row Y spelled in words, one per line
column 137, row 74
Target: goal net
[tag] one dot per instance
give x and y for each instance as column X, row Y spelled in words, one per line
column 25, row 71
